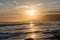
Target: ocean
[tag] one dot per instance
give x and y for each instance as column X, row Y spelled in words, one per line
column 22, row 31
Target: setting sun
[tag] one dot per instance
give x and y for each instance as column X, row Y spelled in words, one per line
column 31, row 12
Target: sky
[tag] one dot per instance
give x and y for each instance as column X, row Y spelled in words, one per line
column 13, row 10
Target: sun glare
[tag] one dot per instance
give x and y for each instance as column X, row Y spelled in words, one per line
column 30, row 12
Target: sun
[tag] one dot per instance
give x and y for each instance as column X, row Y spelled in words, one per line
column 31, row 12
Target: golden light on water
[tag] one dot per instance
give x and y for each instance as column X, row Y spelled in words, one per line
column 33, row 36
column 32, row 27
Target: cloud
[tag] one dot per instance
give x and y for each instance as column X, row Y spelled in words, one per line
column 38, row 4
column 52, row 17
column 23, row 6
column 30, row 6
column 0, row 4
column 16, row 2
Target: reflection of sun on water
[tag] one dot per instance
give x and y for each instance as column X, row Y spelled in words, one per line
column 32, row 35
column 32, row 27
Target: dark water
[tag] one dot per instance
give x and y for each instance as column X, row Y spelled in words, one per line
column 22, row 32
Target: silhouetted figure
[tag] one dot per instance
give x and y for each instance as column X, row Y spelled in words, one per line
column 29, row 39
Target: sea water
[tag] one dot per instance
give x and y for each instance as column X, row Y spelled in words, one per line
column 31, row 30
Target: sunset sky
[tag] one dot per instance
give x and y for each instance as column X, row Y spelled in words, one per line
column 26, row 10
